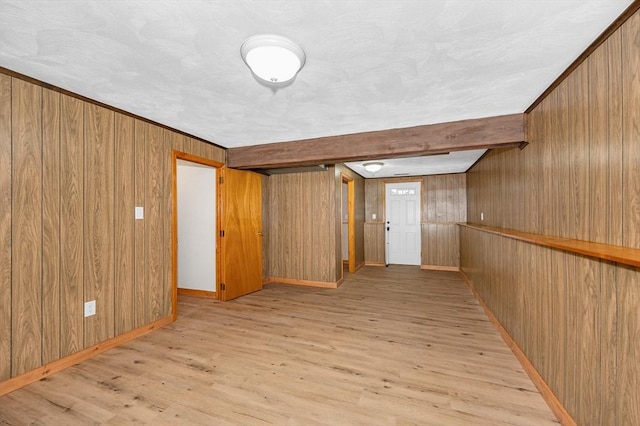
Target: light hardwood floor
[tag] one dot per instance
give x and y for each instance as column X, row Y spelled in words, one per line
column 392, row 346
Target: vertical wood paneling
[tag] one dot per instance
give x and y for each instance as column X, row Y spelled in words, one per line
column 615, row 117
column 99, row 248
column 578, row 179
column 530, row 212
column 26, row 208
column 372, row 201
column 359, row 218
column 5, row 226
column 571, row 344
column 71, row 225
column 374, row 242
column 588, row 387
column 169, row 140
column 628, row 301
column 562, row 155
column 124, row 223
column 266, row 221
column 628, row 354
column 558, row 333
column 313, row 233
column 608, row 344
column 302, row 214
column 336, row 198
column 599, row 145
column 140, row 291
column 154, row 208
column 50, row 225
column 71, row 173
column 631, row 131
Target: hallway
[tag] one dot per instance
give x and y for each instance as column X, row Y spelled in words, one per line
column 395, row 345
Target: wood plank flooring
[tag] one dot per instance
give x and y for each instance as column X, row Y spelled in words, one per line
column 392, row 346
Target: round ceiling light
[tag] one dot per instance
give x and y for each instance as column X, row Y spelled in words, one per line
column 273, row 59
column 373, row 167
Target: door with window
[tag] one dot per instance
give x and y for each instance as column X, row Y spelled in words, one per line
column 402, row 227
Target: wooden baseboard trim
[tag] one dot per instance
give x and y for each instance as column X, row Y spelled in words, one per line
column 367, row 263
column 547, row 394
column 359, row 266
column 308, row 283
column 34, row 375
column 197, row 293
column 440, row 268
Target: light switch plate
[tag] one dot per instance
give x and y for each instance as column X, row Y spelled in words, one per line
column 139, row 213
column 89, row 308
column 374, row 216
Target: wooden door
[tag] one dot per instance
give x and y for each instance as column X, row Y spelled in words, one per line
column 240, row 233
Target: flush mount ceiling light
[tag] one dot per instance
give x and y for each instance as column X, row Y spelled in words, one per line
column 373, row 167
column 273, row 59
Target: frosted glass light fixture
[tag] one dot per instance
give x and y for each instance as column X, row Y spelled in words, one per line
column 373, row 167
column 273, row 59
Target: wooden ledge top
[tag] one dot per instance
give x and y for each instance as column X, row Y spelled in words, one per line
column 618, row 254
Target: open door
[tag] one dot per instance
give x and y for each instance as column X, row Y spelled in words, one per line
column 240, row 237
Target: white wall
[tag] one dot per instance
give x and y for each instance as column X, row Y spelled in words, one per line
column 196, row 226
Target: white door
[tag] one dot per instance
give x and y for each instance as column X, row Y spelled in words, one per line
column 196, row 192
column 403, row 223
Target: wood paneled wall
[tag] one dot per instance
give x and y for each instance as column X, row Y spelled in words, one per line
column 266, row 223
column 444, row 203
column 576, row 318
column 71, row 173
column 303, row 225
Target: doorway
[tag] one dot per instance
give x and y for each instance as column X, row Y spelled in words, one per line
column 194, row 227
column 348, row 223
column 402, row 228
column 196, row 192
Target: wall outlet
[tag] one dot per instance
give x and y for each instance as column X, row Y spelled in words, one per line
column 373, row 216
column 139, row 213
column 481, row 216
column 89, row 308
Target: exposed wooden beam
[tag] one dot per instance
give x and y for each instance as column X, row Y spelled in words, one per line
column 482, row 133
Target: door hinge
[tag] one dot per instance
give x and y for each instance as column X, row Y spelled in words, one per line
column 222, row 233
column 223, row 287
column 221, row 179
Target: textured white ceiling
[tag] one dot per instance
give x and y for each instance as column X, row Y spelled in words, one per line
column 371, row 65
column 453, row 162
